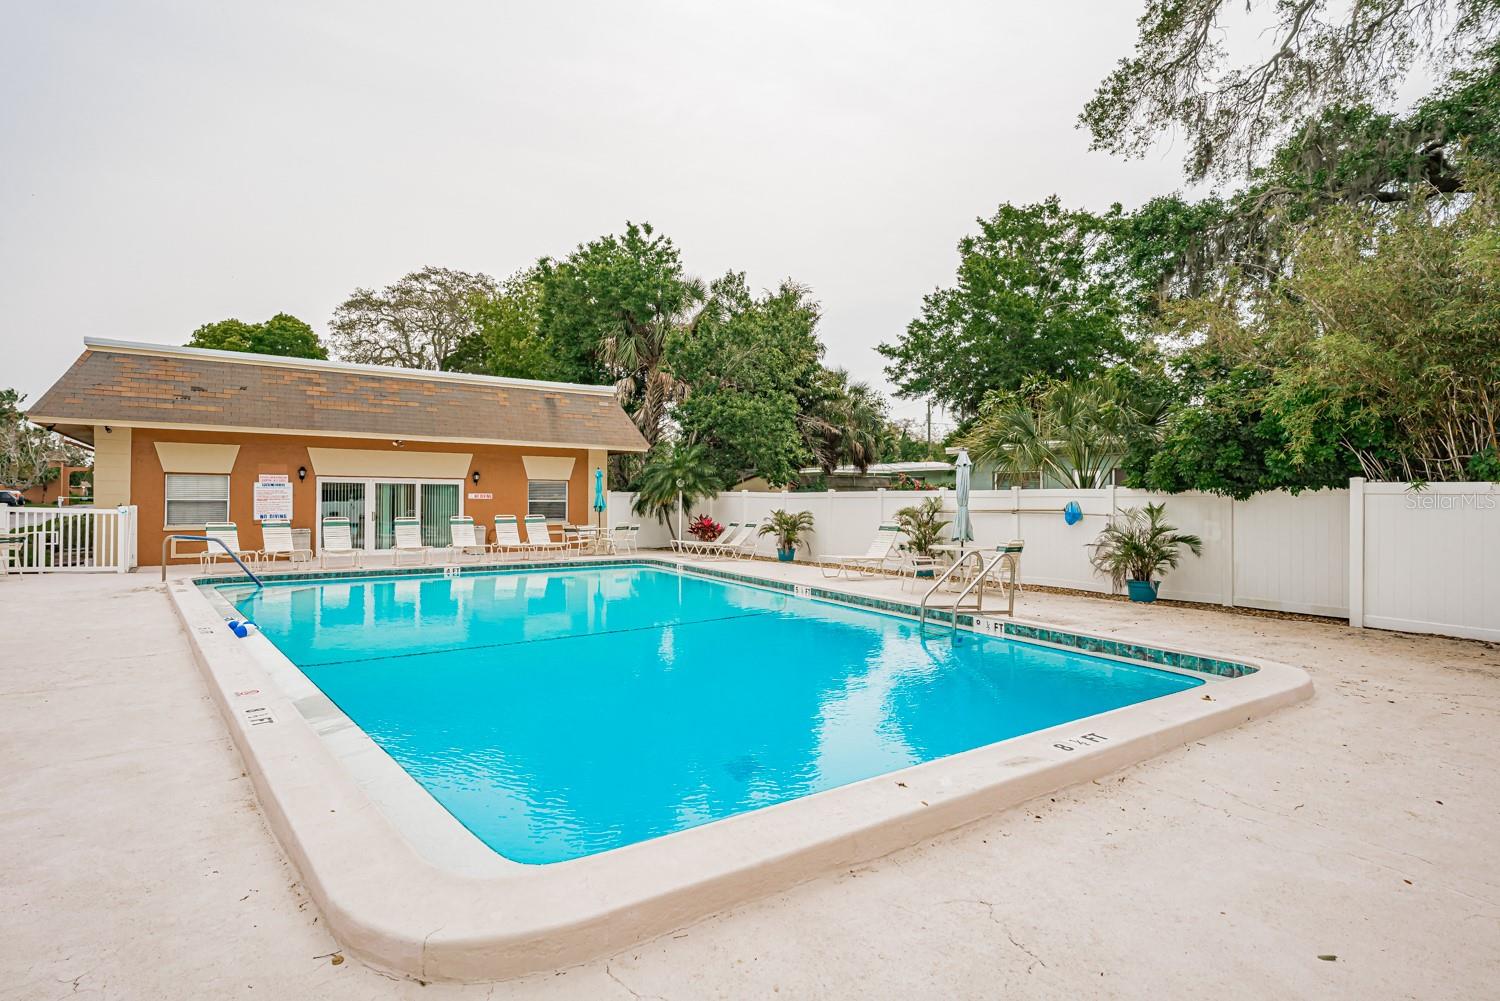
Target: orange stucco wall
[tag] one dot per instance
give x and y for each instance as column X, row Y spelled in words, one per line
column 501, row 470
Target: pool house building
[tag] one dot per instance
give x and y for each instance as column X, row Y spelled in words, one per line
column 191, row 437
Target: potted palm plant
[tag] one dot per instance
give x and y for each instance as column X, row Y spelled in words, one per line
column 788, row 529
column 1139, row 547
column 922, row 525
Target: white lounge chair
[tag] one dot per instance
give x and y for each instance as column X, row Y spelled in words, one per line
column 508, row 536
column 409, row 542
column 882, row 551
column 462, row 541
column 228, row 533
column 688, row 547
column 735, row 544
column 276, row 544
column 338, row 543
column 539, row 536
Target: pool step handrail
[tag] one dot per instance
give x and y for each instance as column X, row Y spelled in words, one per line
column 958, row 565
column 1008, row 553
column 204, row 538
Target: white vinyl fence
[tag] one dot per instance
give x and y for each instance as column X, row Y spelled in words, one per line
column 71, row 539
column 1381, row 554
column 1426, row 561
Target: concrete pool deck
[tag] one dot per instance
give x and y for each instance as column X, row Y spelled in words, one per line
column 137, row 864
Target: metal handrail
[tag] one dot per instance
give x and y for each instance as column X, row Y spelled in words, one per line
column 947, row 575
column 205, row 538
column 1006, row 553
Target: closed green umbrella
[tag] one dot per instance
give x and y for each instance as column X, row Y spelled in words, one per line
column 600, row 501
column 963, row 531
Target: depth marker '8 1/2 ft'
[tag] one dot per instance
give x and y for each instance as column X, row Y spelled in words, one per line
column 1077, row 742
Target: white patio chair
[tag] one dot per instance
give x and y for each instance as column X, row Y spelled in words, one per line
column 625, row 538
column 462, row 541
column 1001, row 575
column 882, row 551
column 578, row 538
column 409, row 542
column 10, row 544
column 539, row 536
column 508, row 536
column 338, row 543
column 276, row 544
column 228, row 533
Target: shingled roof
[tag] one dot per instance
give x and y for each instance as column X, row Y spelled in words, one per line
column 116, row 382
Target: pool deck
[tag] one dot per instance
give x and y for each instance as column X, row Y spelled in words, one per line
column 1360, row 825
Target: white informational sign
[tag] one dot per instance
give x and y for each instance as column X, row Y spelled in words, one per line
column 481, row 497
column 273, row 497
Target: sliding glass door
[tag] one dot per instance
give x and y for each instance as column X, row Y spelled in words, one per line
column 439, row 503
column 392, row 501
column 343, row 499
column 372, row 507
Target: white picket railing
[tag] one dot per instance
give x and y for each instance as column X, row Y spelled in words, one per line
column 71, row 539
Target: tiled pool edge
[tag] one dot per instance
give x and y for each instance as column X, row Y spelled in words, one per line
column 1017, row 629
column 392, row 909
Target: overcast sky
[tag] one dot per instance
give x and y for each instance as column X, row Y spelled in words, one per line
column 163, row 165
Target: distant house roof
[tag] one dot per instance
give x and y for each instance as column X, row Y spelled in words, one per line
column 885, row 469
column 152, row 385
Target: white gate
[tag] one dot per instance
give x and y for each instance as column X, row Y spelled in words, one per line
column 70, row 539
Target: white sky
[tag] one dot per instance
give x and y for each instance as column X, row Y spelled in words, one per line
column 163, row 165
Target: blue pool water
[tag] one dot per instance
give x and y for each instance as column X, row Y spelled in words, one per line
column 561, row 713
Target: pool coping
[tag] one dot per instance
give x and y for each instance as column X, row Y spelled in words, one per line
column 391, row 905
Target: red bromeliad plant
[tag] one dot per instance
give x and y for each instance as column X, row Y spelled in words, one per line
column 705, row 528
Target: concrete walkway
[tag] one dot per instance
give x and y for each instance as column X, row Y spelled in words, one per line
column 1360, row 825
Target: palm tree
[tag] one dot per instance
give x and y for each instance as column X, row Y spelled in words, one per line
column 1075, row 431
column 1141, row 546
column 676, row 475
column 635, row 354
column 848, row 424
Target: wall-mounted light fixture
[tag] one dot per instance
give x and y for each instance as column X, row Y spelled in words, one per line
column 475, row 477
column 301, row 472
column 397, row 444
column 108, row 429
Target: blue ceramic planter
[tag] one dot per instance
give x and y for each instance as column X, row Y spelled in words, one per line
column 1143, row 590
column 786, row 555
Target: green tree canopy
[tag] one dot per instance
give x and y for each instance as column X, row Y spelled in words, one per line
column 509, row 339
column 1309, row 56
column 1033, row 297
column 608, row 310
column 1173, row 248
column 745, row 368
column 1374, row 355
column 283, row 334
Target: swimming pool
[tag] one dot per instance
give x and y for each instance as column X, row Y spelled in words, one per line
column 560, row 713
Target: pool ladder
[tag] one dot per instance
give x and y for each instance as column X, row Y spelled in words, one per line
column 1009, row 554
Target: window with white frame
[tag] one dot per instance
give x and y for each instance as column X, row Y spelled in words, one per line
column 548, row 498
column 196, row 499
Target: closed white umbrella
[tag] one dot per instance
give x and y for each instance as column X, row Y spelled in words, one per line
column 963, row 530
